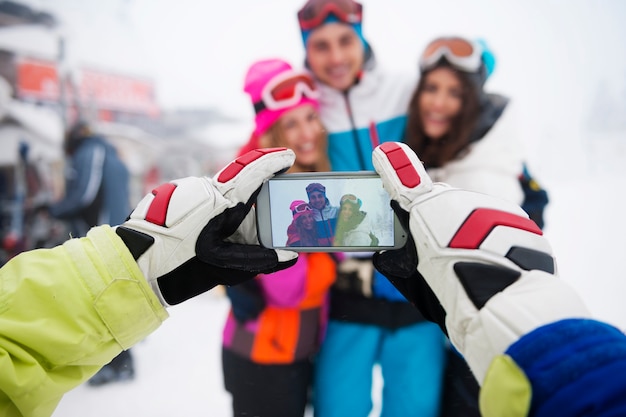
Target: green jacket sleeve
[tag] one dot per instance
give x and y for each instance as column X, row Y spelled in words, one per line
column 64, row 313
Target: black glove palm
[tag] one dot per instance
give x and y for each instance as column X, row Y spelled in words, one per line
column 194, row 233
column 400, row 267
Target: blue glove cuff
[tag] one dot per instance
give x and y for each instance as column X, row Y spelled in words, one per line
column 573, row 364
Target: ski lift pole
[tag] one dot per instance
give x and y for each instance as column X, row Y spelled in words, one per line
column 14, row 242
column 62, row 81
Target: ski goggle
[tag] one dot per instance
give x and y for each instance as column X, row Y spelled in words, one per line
column 302, row 208
column 460, row 53
column 286, row 90
column 350, row 198
column 315, row 12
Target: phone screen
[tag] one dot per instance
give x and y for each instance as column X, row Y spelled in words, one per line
column 325, row 211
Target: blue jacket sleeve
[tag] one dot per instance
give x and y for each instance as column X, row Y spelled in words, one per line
column 572, row 367
column 84, row 182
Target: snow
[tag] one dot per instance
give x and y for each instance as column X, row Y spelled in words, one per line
column 178, row 371
column 586, row 228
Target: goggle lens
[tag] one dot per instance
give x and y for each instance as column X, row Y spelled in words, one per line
column 459, row 52
column 301, row 208
column 315, row 12
column 456, row 46
column 350, row 197
column 288, row 88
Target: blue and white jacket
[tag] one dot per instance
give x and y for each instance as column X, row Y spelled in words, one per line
column 372, row 111
column 326, row 223
column 96, row 189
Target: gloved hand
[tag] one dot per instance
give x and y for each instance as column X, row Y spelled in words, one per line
column 474, row 264
column 192, row 234
column 246, row 300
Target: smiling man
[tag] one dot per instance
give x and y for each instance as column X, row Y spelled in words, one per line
column 362, row 106
column 324, row 214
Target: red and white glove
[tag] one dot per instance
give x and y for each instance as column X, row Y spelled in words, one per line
column 192, row 234
column 475, row 264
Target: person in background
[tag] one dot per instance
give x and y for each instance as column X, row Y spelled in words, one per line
column 277, row 321
column 301, row 231
column 324, row 213
column 362, row 105
column 96, row 192
column 468, row 138
column 97, row 182
column 353, row 225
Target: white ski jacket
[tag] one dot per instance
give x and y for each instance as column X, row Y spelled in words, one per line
column 492, row 165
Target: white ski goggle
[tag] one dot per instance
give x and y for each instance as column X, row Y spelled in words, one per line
column 460, row 53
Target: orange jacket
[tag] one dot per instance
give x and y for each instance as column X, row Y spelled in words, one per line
column 292, row 325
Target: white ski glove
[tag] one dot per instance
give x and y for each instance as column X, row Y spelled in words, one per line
column 192, row 234
column 485, row 274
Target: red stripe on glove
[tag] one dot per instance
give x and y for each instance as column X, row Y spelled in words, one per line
column 157, row 212
column 407, row 174
column 482, row 221
column 240, row 163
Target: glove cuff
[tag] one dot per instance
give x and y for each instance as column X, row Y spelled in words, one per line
column 113, row 278
column 138, row 243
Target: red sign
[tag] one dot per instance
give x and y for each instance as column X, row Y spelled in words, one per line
column 37, row 79
column 117, row 92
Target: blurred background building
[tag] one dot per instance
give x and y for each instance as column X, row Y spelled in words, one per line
column 42, row 92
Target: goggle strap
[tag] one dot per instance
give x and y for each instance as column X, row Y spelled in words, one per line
column 259, row 106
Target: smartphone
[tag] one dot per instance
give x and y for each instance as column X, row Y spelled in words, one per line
column 327, row 212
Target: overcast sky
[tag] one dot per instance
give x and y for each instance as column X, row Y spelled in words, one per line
column 198, row 51
column 552, row 55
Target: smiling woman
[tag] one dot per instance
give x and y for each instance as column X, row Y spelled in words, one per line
column 276, row 322
column 465, row 137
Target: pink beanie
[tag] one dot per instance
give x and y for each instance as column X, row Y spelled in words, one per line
column 258, row 76
column 296, row 203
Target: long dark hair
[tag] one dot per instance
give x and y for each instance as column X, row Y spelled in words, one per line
column 344, row 226
column 436, row 153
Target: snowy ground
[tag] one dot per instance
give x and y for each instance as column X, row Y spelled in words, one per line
column 178, row 367
column 178, row 371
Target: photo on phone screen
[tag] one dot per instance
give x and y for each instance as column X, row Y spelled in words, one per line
column 327, row 212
